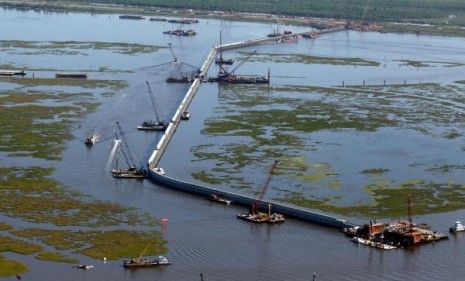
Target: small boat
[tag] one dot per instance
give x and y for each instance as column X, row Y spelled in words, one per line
column 84, row 267
column 185, row 115
column 152, row 126
column 218, row 199
column 457, row 227
column 144, row 262
column 90, row 140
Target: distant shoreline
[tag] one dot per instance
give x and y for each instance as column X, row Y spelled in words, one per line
column 393, row 27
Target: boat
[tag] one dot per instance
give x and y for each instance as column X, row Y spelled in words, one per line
column 71, row 75
column 131, row 17
column 457, row 227
column 184, row 21
column 374, row 244
column 218, row 199
column 157, row 19
column 84, row 267
column 159, row 171
column 144, row 262
column 260, row 217
column 181, row 32
column 185, row 115
column 131, row 173
column 152, row 126
column 90, row 140
column 12, row 72
column 183, row 79
column 224, row 61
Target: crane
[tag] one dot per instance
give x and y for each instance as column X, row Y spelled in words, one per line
column 254, row 215
column 222, row 60
column 129, row 159
column 225, row 73
column 176, row 62
column 256, row 204
column 150, row 125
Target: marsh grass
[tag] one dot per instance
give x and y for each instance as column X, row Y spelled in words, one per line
column 307, row 59
column 71, row 47
column 11, row 267
column 56, row 257
column 113, row 244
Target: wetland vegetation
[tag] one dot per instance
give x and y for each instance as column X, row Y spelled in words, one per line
column 279, row 123
column 36, row 119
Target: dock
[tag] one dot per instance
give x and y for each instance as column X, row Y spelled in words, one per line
column 154, row 171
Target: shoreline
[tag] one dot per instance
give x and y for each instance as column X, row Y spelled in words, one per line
column 315, row 22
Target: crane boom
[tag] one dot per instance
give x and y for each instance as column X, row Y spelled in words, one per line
column 256, row 203
column 130, row 158
column 243, row 61
column 175, row 59
column 154, row 103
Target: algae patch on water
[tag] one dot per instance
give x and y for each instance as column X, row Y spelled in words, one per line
column 84, row 83
column 8, row 244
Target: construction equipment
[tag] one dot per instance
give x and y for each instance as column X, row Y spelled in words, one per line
column 222, row 60
column 131, row 171
column 176, row 63
column 158, row 124
column 226, row 76
column 144, row 262
column 254, row 214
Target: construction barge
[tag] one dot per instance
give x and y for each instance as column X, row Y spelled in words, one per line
column 12, row 72
column 131, row 17
column 397, row 234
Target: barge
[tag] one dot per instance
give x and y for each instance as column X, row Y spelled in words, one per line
column 144, row 262
column 152, row 126
column 131, row 17
column 130, row 173
column 71, row 75
column 12, row 72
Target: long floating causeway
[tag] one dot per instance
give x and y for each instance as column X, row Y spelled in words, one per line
column 157, row 175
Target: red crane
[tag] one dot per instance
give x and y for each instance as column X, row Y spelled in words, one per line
column 256, row 204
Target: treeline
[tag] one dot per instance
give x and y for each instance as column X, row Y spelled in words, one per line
column 397, row 10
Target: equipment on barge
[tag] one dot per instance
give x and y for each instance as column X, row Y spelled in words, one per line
column 158, row 124
column 146, row 262
column 218, row 199
column 254, row 214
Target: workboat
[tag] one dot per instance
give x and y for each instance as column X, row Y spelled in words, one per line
column 458, row 227
column 185, row 115
column 84, row 267
column 152, row 126
column 218, row 199
column 90, row 140
column 145, row 262
column 373, row 244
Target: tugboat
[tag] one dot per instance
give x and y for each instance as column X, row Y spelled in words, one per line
column 144, row 262
column 218, row 199
column 90, row 140
column 458, row 227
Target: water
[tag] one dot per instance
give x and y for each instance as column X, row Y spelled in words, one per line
column 203, row 236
